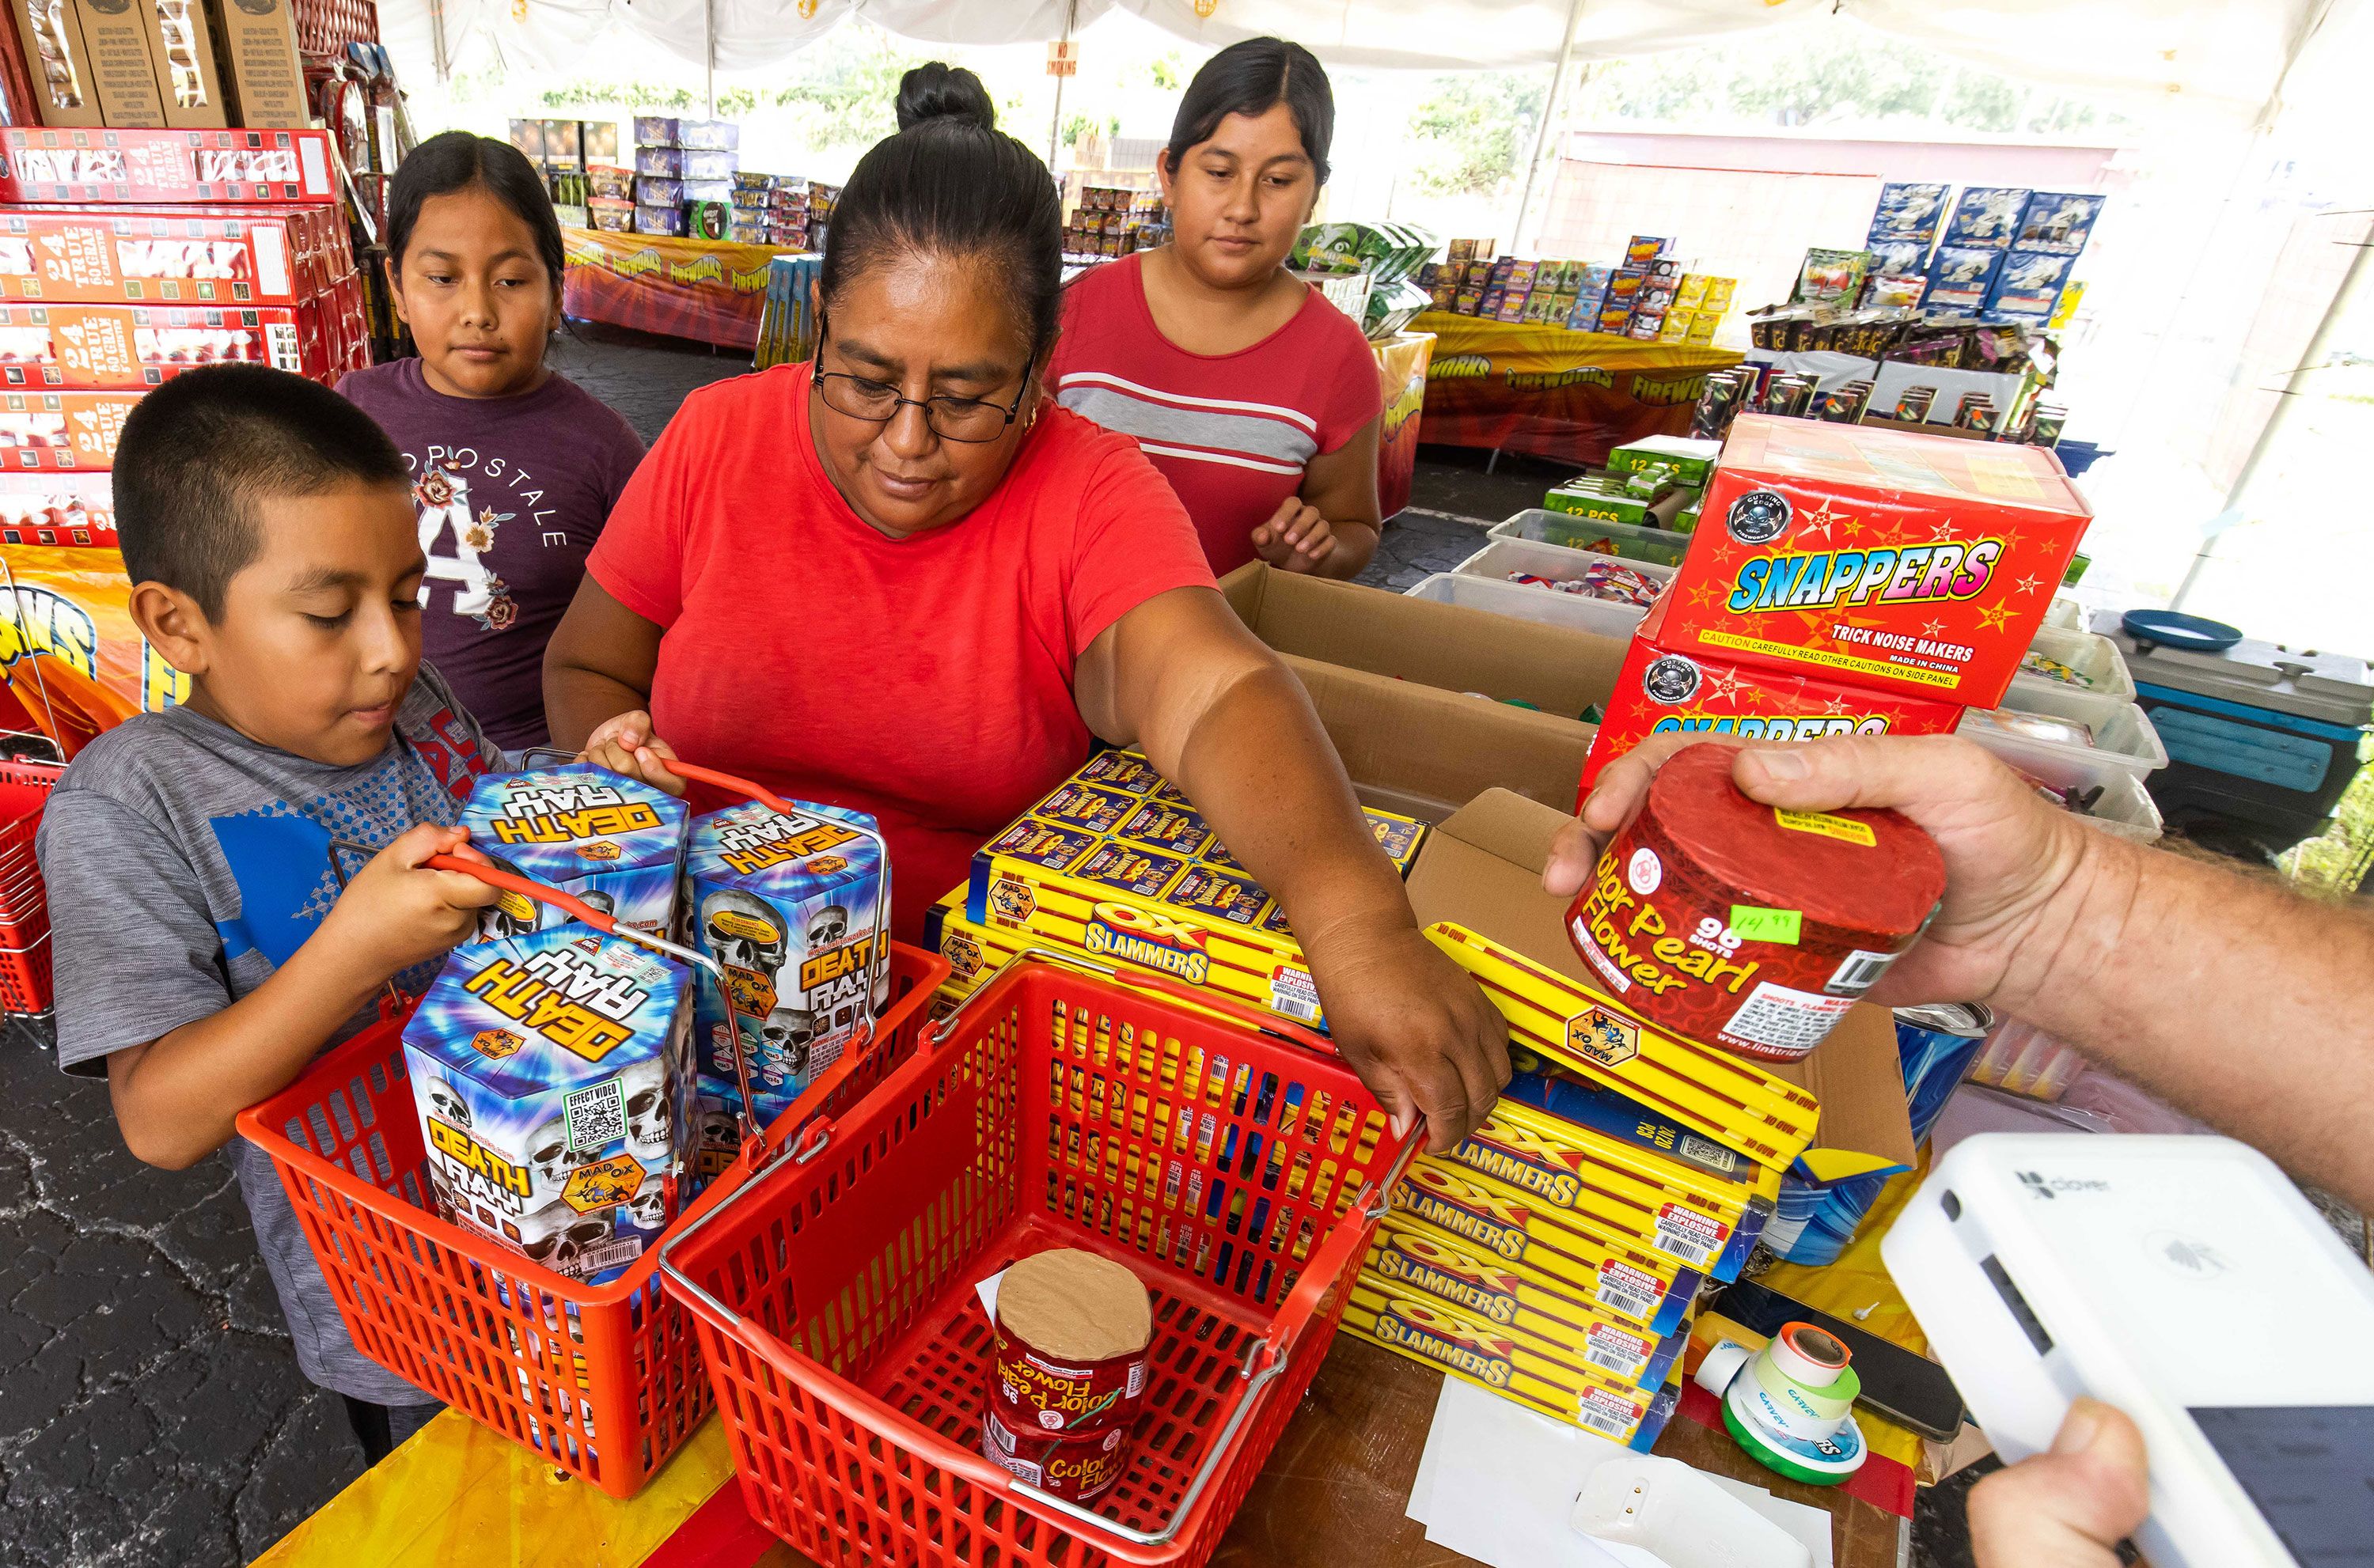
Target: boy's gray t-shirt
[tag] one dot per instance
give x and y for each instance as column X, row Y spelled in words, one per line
column 185, row 863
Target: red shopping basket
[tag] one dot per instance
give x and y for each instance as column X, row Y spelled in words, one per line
column 24, row 903
column 1235, row 1170
column 603, row 1380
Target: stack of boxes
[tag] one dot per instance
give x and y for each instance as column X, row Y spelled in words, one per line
column 684, row 176
column 171, row 65
column 1657, row 482
column 1115, row 221
column 128, row 258
column 566, row 152
column 1650, row 297
column 781, row 210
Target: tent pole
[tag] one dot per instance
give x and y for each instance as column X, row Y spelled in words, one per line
column 1542, row 132
column 709, row 49
column 1055, row 119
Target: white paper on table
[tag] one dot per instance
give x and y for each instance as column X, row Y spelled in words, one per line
column 1498, row 1482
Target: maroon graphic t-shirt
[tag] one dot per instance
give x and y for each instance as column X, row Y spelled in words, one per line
column 512, row 492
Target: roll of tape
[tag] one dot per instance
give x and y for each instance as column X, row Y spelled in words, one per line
column 1819, row 1461
column 1796, row 1409
column 1720, row 1364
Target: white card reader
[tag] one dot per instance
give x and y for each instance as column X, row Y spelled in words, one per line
column 2184, row 1281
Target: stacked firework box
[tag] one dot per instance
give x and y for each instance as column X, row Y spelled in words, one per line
column 1115, row 221
column 782, row 210
column 1651, row 295
column 128, row 256
column 684, row 177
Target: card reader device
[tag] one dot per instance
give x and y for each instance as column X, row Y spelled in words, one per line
column 2185, row 1281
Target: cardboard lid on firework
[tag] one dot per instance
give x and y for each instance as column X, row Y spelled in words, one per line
column 1075, row 1306
column 1995, row 473
column 1481, row 870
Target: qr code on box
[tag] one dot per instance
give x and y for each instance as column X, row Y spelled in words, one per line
column 596, row 1114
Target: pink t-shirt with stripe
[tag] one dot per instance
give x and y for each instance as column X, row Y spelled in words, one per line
column 1232, row 432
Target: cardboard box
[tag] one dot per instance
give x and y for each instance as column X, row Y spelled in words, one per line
column 182, row 42
column 62, row 430
column 1477, row 891
column 564, row 143
column 1408, row 1255
column 258, row 40
column 61, row 509
column 1906, row 563
column 46, row 165
column 123, row 72
column 57, row 61
column 1424, row 751
column 1562, row 1384
column 1446, row 646
column 1663, row 689
column 221, row 256
column 98, row 346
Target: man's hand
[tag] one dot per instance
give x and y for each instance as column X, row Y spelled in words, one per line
column 2068, row 1508
column 2014, row 866
column 1412, row 1024
column 1295, row 538
column 625, row 744
column 397, row 912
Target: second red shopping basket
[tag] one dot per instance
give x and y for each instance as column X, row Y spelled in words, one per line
column 1235, row 1173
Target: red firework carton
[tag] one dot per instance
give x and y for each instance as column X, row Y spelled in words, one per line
column 1898, row 561
column 173, row 256
column 55, row 164
column 1661, row 689
column 60, row 431
column 95, row 346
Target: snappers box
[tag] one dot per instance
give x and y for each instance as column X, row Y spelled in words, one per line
column 1662, row 689
column 554, row 1089
column 1900, row 561
column 616, row 842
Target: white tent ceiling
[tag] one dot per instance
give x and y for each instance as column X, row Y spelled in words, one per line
column 2224, row 57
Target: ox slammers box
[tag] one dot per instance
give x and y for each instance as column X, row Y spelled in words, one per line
column 1117, row 864
column 975, row 953
column 796, row 907
column 1704, row 1215
column 616, row 842
column 550, row 1072
column 1482, row 1352
column 1662, row 689
column 1731, row 1099
column 1900, row 561
column 1551, row 1247
column 1407, row 1255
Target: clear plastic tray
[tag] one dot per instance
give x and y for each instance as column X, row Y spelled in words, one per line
column 1525, row 602
column 2124, row 739
column 2097, row 657
column 1633, row 543
column 1501, row 557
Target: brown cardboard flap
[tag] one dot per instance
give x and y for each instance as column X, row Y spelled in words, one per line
column 1482, row 870
column 1556, row 669
column 1424, row 751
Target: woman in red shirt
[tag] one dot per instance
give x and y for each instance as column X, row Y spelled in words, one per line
column 892, row 579
column 1254, row 397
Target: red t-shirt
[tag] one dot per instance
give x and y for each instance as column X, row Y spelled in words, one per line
column 1232, row 432
column 926, row 680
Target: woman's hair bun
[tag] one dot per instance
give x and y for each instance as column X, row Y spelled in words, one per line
column 943, row 92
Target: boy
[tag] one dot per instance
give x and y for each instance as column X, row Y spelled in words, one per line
column 203, row 951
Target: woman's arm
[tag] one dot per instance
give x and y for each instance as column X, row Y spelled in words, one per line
column 1331, row 525
column 597, row 666
column 1216, row 712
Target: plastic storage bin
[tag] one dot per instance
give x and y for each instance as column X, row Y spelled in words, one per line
column 2095, row 658
column 2123, row 737
column 1238, row 1175
column 1501, row 557
column 604, row 1382
column 1633, row 543
column 1525, row 602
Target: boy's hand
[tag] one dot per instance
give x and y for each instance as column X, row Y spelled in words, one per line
column 397, row 912
column 625, row 744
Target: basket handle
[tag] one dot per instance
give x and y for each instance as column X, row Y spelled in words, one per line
column 1346, row 1240
column 1163, row 985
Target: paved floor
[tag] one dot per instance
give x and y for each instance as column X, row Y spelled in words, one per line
column 150, row 1414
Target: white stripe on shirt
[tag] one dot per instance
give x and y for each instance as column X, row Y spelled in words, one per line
column 1156, row 394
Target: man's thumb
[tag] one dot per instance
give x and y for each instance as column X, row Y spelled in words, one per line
column 2068, row 1508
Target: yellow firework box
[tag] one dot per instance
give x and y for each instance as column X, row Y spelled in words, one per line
column 1731, row 1099
column 1116, row 864
column 1491, row 1357
column 1552, row 1247
column 1408, row 1255
column 975, row 953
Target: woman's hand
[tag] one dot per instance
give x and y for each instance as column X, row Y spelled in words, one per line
column 2016, row 869
column 1295, row 538
column 1412, row 1024
column 625, row 744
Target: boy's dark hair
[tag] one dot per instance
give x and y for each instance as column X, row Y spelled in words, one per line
column 1253, row 77
column 455, row 160
column 199, row 452
column 951, row 183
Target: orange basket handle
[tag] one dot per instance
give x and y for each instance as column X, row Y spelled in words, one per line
column 1213, row 1001
column 1346, row 1241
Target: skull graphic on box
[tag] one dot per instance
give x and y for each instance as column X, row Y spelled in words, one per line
column 649, row 1090
column 561, row 1238
column 553, row 1160
column 750, row 941
column 785, row 1040
column 446, row 1106
column 648, row 1209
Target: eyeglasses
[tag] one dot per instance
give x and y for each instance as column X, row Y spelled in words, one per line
column 968, row 420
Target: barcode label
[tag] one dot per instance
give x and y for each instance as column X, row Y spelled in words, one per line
column 1627, row 1290
column 611, row 1255
column 1779, row 1019
column 596, row 1115
column 1692, row 1238
column 1617, row 1351
column 1603, row 1422
column 1292, row 992
column 1857, row 974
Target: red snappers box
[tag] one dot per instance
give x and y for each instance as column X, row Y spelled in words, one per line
column 1660, row 689
column 1902, row 562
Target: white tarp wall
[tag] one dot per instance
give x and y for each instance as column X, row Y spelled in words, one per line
column 2224, row 57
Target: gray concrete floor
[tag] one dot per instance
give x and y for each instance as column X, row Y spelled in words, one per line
column 151, row 1415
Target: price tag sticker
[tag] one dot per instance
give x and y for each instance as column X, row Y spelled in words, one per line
column 1766, row 925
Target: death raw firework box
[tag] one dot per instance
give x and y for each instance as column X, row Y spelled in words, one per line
column 796, row 907
column 1117, row 864
column 1895, row 560
column 551, row 1075
column 615, row 842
